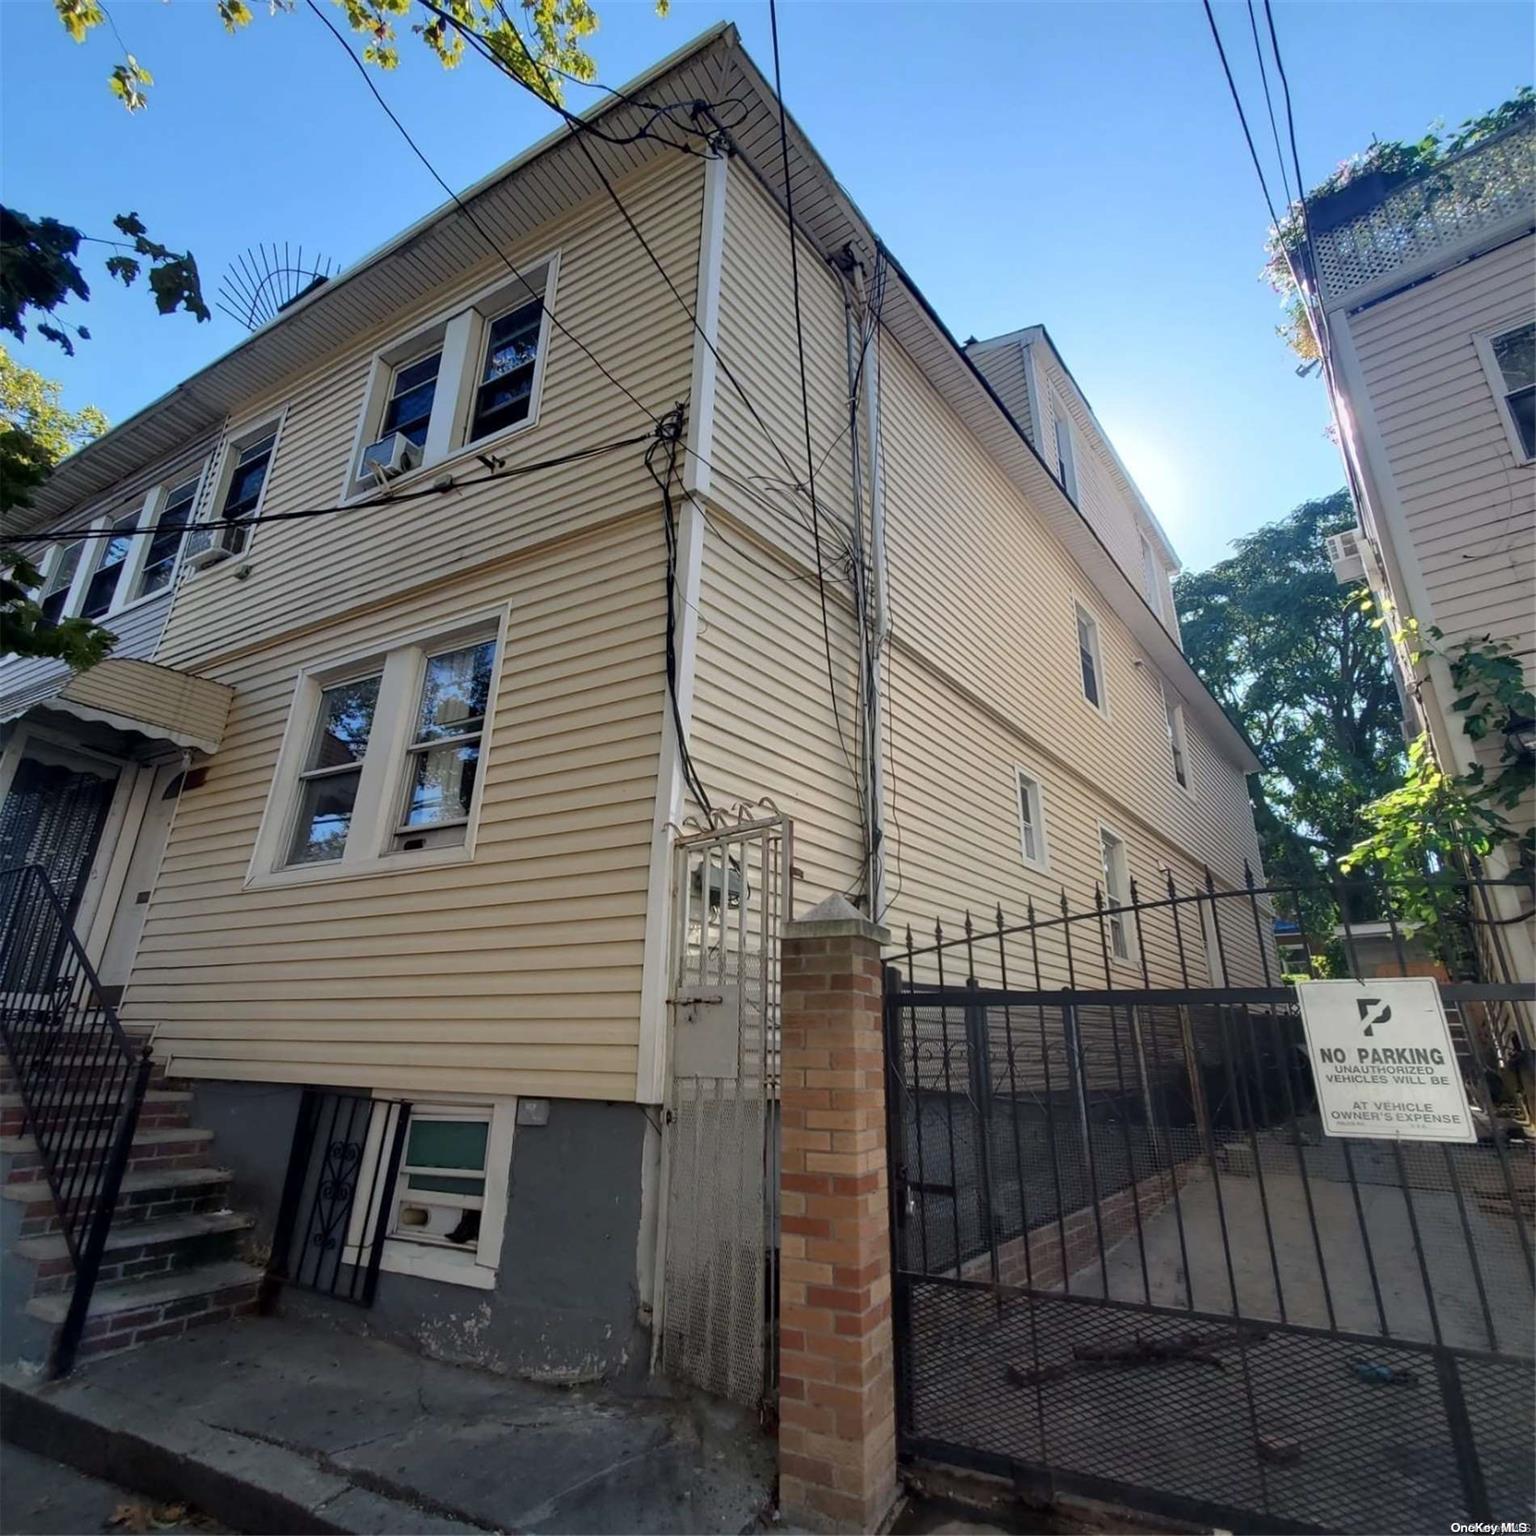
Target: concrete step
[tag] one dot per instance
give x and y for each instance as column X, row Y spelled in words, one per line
column 136, row 1250
column 152, row 1147
column 132, row 1312
column 145, row 1196
column 142, row 1235
column 161, row 1106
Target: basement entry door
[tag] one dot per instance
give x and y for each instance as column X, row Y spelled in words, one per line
column 719, row 1298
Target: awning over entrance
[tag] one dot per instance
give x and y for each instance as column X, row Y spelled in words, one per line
column 159, row 702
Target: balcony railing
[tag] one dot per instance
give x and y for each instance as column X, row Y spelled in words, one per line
column 1475, row 193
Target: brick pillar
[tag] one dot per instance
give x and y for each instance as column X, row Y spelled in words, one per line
column 837, row 1393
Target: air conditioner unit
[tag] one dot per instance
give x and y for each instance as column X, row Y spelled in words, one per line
column 209, row 543
column 1346, row 554
column 389, row 457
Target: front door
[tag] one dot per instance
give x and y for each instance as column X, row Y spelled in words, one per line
column 143, row 866
column 53, row 815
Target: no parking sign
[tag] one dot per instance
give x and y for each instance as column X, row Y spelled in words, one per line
column 1382, row 1060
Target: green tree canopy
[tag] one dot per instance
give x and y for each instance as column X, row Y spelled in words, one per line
column 36, row 431
column 1303, row 672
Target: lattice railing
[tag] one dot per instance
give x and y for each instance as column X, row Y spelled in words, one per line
column 1478, row 191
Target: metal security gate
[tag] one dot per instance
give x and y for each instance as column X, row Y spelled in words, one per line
column 730, row 896
column 1127, row 1262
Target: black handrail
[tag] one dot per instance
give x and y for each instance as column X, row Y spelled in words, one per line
column 81, row 1078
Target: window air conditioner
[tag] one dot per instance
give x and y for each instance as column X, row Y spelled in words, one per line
column 209, row 543
column 389, row 457
column 1346, row 556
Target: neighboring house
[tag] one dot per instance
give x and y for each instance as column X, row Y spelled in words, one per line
column 1427, row 287
column 428, row 855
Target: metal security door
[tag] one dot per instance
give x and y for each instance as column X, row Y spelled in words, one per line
column 730, row 895
column 1128, row 1262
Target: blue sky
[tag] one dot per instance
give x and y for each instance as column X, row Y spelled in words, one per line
column 1076, row 164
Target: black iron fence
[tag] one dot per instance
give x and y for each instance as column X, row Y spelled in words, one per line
column 1129, row 1262
column 80, row 1078
column 338, row 1195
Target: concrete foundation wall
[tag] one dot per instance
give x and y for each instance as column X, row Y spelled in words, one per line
column 566, row 1303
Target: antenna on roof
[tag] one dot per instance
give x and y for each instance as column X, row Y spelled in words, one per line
column 264, row 280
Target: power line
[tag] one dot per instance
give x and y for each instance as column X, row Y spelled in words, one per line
column 468, row 213
column 442, row 487
column 1242, row 116
column 805, row 410
column 1269, row 105
column 580, row 129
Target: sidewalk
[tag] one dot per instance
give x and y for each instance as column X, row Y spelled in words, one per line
column 271, row 1424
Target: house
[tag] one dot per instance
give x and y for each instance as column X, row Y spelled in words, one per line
column 1430, row 336
column 459, row 587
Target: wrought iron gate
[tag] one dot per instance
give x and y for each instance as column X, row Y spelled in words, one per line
column 730, row 897
column 1128, row 1263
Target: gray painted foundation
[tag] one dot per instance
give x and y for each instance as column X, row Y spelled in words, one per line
column 566, row 1306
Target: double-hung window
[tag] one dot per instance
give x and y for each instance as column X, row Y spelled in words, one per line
column 443, row 758
column 333, row 770
column 1117, row 894
column 459, row 381
column 1509, row 359
column 1152, row 576
column 170, row 527
column 440, row 1193
column 505, row 391
column 412, row 392
column 1090, row 663
column 382, row 759
column 1066, row 456
column 111, row 557
column 1031, row 820
column 243, row 494
column 55, row 594
column 1178, row 745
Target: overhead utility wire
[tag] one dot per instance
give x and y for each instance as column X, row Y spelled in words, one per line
column 805, row 401
column 580, row 129
column 442, row 487
column 1269, row 104
column 1242, row 116
column 491, row 242
column 468, row 213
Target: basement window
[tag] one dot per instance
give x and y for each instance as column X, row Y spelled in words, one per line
column 445, row 1215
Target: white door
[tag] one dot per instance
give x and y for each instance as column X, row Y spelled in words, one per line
column 143, row 868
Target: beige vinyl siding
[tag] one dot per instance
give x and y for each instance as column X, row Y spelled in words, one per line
column 1468, row 504
column 1000, row 623
column 762, row 713
column 953, row 825
column 608, row 295
column 517, row 972
column 1004, row 369
column 1101, row 497
column 757, row 342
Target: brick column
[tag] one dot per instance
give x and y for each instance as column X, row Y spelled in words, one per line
column 837, row 1396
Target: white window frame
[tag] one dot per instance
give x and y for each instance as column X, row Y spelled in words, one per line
column 99, row 544
column 1081, row 614
column 1152, row 576
column 1120, row 865
column 1484, row 341
column 460, row 334
column 477, row 1266
column 236, row 441
column 370, row 847
column 154, row 505
column 1029, row 789
column 1066, row 446
column 1178, row 741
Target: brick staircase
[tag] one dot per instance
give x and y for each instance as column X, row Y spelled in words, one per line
column 173, row 1256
